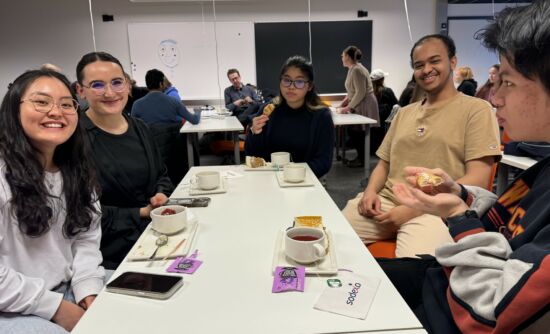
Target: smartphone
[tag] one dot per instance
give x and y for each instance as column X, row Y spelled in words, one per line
column 190, row 202
column 145, row 285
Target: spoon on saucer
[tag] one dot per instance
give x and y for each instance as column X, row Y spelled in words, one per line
column 161, row 241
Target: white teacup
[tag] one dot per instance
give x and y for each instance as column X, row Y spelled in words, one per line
column 294, row 173
column 169, row 223
column 305, row 244
column 279, row 159
column 207, row 180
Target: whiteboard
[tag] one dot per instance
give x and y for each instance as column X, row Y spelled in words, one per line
column 193, row 58
column 469, row 51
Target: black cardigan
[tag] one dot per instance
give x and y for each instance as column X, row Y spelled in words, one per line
column 121, row 223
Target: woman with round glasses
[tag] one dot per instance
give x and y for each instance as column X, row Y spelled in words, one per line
column 360, row 100
column 132, row 175
column 299, row 123
column 50, row 226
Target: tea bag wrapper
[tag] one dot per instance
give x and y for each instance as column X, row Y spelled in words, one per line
column 289, row 279
column 185, row 265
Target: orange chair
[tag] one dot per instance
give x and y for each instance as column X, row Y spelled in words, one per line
column 386, row 248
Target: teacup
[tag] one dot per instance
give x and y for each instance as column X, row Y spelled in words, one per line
column 207, row 180
column 294, row 173
column 279, row 159
column 305, row 244
column 169, row 219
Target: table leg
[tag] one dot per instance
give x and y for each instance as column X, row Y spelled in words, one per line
column 190, row 159
column 502, row 178
column 367, row 151
column 237, row 148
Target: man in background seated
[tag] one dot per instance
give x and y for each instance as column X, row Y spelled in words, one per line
column 239, row 97
column 159, row 108
column 446, row 129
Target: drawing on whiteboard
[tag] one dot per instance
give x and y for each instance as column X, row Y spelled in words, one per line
column 168, row 52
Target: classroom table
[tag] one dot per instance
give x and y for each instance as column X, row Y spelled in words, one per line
column 231, row 291
column 213, row 124
column 514, row 161
column 355, row 119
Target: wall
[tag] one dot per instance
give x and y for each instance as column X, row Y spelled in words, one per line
column 59, row 32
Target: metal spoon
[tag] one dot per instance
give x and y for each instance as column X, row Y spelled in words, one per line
column 161, row 241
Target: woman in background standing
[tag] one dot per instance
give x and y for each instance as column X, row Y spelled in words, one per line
column 487, row 91
column 360, row 100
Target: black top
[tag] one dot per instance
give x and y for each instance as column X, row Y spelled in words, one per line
column 468, row 87
column 130, row 172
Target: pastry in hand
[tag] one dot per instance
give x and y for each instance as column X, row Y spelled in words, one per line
column 428, row 181
column 268, row 109
column 255, row 162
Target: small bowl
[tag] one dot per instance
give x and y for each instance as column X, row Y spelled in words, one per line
column 169, row 224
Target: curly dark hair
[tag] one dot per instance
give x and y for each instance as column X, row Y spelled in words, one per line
column 25, row 172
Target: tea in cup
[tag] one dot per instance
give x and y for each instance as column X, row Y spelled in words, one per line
column 305, row 244
column 169, row 219
column 294, row 173
column 207, row 180
column 279, row 159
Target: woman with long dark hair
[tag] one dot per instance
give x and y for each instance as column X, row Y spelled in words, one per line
column 488, row 89
column 49, row 213
column 132, row 175
column 299, row 123
column 360, row 100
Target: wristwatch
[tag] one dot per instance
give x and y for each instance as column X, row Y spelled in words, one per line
column 461, row 217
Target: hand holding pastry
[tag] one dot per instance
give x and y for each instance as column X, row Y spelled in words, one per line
column 431, row 181
column 258, row 123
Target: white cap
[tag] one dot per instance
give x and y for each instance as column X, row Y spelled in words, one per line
column 378, row 74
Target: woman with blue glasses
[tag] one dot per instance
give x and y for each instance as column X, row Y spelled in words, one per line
column 360, row 100
column 295, row 121
column 132, row 175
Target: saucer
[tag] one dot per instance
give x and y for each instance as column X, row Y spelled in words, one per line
column 195, row 190
column 269, row 167
column 145, row 246
column 307, row 182
column 325, row 266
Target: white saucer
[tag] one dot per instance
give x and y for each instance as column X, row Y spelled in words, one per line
column 269, row 167
column 307, row 182
column 145, row 246
column 195, row 190
column 326, row 266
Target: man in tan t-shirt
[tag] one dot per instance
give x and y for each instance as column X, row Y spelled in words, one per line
column 447, row 130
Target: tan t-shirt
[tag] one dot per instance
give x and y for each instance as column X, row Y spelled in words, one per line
column 445, row 135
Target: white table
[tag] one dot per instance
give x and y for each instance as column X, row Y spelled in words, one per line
column 355, row 119
column 514, row 161
column 221, row 124
column 231, row 291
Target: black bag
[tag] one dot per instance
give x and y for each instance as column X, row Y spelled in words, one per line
column 535, row 150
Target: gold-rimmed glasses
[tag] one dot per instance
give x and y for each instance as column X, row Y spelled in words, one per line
column 45, row 103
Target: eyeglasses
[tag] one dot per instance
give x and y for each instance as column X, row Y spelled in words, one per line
column 44, row 104
column 299, row 84
column 99, row 87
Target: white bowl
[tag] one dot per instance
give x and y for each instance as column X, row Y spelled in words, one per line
column 169, row 224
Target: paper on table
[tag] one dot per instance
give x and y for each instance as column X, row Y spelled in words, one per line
column 348, row 294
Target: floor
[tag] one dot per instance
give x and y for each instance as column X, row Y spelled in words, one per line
column 342, row 183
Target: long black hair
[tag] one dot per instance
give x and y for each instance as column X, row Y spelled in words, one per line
column 25, row 172
column 312, row 100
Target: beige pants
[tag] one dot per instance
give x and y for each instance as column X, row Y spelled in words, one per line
column 420, row 235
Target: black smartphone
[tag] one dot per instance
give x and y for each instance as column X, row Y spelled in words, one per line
column 145, row 285
column 190, row 202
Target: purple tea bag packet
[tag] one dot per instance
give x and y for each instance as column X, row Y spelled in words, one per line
column 185, row 265
column 289, row 279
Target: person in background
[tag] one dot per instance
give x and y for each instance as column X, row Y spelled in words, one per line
column 488, row 89
column 170, row 90
column 494, row 277
column 464, row 77
column 136, row 92
column 50, row 226
column 132, row 175
column 360, row 100
column 299, row 123
column 159, row 108
column 239, row 97
column 386, row 100
column 446, row 129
